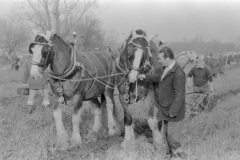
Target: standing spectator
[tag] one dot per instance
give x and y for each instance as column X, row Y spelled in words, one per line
column 237, row 57
column 202, row 78
column 207, row 60
column 222, row 62
column 170, row 99
column 228, row 59
column 35, row 86
column 232, row 59
column 214, row 66
column 15, row 60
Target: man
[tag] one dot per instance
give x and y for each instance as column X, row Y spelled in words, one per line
column 207, row 60
column 222, row 61
column 237, row 57
column 202, row 78
column 214, row 64
column 170, row 99
column 35, row 86
column 15, row 61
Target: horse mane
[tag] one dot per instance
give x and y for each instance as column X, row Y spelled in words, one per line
column 61, row 39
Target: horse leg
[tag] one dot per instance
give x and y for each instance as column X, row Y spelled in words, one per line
column 76, row 140
column 94, row 134
column 114, row 127
column 62, row 136
column 152, row 120
column 129, row 136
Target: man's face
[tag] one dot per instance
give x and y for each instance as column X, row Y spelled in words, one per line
column 163, row 60
column 200, row 63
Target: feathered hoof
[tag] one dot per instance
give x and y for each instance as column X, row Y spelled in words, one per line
column 114, row 132
column 127, row 145
column 63, row 146
column 93, row 136
column 63, row 143
column 30, row 109
column 76, row 141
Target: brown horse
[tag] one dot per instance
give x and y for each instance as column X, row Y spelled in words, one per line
column 73, row 77
column 138, row 55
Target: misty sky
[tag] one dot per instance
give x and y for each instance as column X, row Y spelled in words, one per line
column 172, row 20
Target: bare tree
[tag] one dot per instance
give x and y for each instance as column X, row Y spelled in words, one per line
column 13, row 35
column 111, row 38
column 64, row 15
column 90, row 33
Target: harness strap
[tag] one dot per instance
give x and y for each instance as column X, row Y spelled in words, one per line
column 90, row 74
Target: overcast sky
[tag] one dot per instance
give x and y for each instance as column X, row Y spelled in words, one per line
column 172, row 20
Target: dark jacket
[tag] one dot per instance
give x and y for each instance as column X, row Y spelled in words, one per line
column 215, row 63
column 170, row 97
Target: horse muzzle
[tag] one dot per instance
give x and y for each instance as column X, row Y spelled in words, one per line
column 132, row 76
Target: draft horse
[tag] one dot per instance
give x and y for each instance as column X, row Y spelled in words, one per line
column 73, row 77
column 138, row 55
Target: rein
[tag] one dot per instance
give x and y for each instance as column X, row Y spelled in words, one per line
column 77, row 64
column 87, row 79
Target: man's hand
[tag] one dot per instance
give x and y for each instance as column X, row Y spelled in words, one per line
column 141, row 76
column 25, row 85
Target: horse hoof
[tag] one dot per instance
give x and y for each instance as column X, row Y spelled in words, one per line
column 76, row 142
column 75, row 145
column 127, row 145
column 30, row 109
column 63, row 147
column 114, row 131
column 158, row 140
column 93, row 136
column 63, row 143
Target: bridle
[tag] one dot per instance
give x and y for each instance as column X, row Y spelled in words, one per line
column 46, row 52
column 127, row 66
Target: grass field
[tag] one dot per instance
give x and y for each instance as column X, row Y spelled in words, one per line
column 210, row 136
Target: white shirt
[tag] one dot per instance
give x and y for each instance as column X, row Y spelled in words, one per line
column 200, row 67
column 168, row 68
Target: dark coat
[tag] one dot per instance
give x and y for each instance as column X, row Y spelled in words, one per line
column 170, row 97
column 222, row 61
column 215, row 64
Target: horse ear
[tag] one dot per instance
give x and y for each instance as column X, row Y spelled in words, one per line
column 134, row 34
column 151, row 38
column 33, row 35
column 48, row 35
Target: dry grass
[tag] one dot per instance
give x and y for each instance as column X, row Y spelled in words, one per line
column 213, row 135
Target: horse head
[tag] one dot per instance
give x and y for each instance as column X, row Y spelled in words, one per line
column 134, row 53
column 44, row 48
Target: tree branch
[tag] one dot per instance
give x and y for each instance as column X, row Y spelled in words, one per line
column 29, row 2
